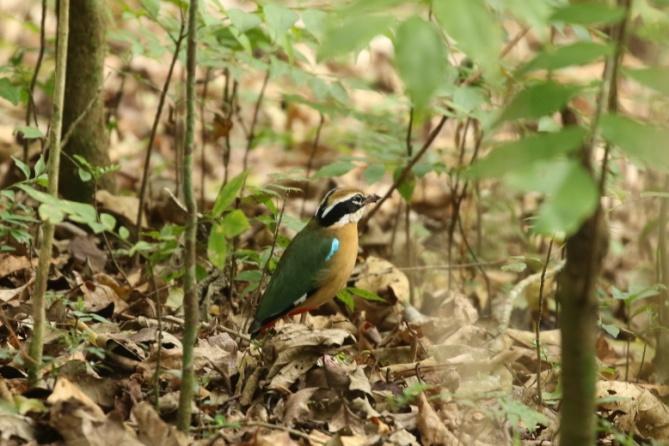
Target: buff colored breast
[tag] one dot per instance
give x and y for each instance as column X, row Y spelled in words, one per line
column 339, row 269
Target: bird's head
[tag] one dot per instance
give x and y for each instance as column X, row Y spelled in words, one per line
column 343, row 205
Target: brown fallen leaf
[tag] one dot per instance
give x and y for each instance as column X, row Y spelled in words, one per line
column 10, row 264
column 153, row 431
column 15, row 427
column 124, row 206
column 81, row 422
column 297, row 405
column 85, row 251
column 642, row 412
column 432, row 430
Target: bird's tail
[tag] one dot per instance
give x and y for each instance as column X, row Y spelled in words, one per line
column 256, row 326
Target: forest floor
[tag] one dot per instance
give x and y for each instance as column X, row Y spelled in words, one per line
column 447, row 355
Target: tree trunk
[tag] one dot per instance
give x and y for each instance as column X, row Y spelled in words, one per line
column 84, row 106
column 191, row 314
column 578, row 319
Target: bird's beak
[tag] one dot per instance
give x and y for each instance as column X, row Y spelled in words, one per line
column 373, row 198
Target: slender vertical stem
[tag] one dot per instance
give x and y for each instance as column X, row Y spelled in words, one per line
column 191, row 310
column 203, row 132
column 33, row 80
column 56, row 126
column 250, row 138
column 537, row 327
column 407, row 212
column 310, row 162
column 154, row 130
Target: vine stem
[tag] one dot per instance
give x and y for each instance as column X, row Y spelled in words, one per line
column 48, row 228
column 537, row 328
column 405, row 172
column 191, row 310
column 33, row 80
column 154, row 129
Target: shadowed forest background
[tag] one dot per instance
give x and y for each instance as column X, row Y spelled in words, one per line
column 511, row 286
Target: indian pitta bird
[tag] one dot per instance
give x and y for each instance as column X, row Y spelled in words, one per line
column 318, row 261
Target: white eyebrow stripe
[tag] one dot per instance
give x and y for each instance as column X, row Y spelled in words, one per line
column 340, row 200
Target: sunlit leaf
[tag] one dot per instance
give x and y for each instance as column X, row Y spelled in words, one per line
column 474, row 28
column 538, row 100
column 656, row 78
column 520, row 154
column 243, row 20
column 227, row 194
column 644, row 143
column 417, row 42
column 23, row 167
column 235, row 223
column 335, row 169
column 50, row 213
column 217, row 246
column 9, row 91
column 571, row 194
column 28, row 132
column 351, row 33
column 279, row 19
column 588, row 13
column 579, row 53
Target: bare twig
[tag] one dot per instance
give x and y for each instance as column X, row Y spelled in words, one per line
column 250, row 137
column 405, row 172
column 537, row 328
column 265, row 269
column 310, row 162
column 190, row 301
column 154, row 129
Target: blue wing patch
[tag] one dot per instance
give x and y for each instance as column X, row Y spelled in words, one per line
column 334, row 247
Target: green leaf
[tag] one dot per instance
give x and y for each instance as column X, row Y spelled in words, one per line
column 242, row 20
column 588, row 13
column 227, row 194
column 123, row 232
column 152, row 7
column 611, row 329
column 51, row 213
column 538, row 100
column 346, row 298
column 407, row 186
column 28, row 132
column 656, row 78
column 335, row 169
column 475, row 29
column 40, row 166
column 518, row 155
column 366, row 294
column 373, row 173
column 571, row 194
column 314, row 22
column 420, row 60
column 579, row 53
column 9, row 91
column 351, row 33
column 23, row 167
column 279, row 19
column 217, row 246
column 234, row 223
column 108, row 221
column 644, row 143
